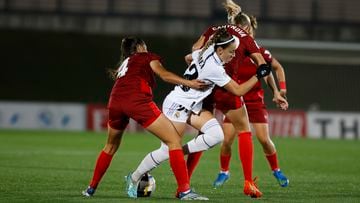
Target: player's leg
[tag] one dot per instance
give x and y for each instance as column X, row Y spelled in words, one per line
column 104, row 159
column 193, row 159
column 225, row 153
column 241, row 124
column 262, row 134
column 178, row 116
column 156, row 157
column 166, row 132
column 212, row 133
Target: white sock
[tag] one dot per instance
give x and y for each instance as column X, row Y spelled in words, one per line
column 151, row 161
column 213, row 135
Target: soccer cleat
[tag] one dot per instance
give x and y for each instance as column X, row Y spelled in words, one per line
column 251, row 189
column 131, row 188
column 221, row 179
column 191, row 195
column 89, row 192
column 281, row 178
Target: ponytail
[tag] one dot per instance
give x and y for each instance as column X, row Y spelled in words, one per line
column 221, row 38
column 232, row 10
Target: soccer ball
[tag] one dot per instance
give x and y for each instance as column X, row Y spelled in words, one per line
column 146, row 185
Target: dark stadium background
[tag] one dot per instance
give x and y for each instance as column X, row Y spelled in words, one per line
column 60, row 50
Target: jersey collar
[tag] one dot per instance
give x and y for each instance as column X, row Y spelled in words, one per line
column 217, row 59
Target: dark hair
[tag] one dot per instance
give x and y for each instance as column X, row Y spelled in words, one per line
column 219, row 37
column 128, row 48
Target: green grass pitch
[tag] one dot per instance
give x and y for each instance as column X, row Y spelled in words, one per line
column 43, row 166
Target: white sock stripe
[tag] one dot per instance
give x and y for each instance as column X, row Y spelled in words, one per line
column 203, row 137
column 156, row 163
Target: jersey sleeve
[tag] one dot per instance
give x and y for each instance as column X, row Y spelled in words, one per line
column 153, row 57
column 218, row 76
column 266, row 54
column 251, row 45
column 207, row 34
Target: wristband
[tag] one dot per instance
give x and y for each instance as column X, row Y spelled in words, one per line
column 282, row 85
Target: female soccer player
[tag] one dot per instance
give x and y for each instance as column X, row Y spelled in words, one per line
column 131, row 97
column 256, row 108
column 232, row 106
column 184, row 105
column 258, row 117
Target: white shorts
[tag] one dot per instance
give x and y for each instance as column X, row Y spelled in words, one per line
column 174, row 111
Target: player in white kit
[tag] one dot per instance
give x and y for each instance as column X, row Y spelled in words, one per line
column 183, row 105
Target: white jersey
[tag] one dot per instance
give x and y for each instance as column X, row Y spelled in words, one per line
column 208, row 68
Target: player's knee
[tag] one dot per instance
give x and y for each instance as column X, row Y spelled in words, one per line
column 215, row 132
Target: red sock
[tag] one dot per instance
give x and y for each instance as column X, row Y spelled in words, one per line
column 178, row 166
column 273, row 161
column 225, row 161
column 246, row 154
column 102, row 164
column 192, row 161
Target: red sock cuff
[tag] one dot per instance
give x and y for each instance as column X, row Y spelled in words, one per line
column 225, row 162
column 246, row 133
column 273, row 161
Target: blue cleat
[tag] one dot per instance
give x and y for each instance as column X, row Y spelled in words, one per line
column 221, row 179
column 131, row 188
column 191, row 195
column 89, row 192
column 281, row 178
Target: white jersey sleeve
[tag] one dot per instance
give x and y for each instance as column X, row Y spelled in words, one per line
column 218, row 76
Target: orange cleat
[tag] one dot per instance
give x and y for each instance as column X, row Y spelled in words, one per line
column 251, row 189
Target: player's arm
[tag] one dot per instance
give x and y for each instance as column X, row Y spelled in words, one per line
column 277, row 98
column 240, row 90
column 257, row 58
column 280, row 74
column 199, row 43
column 170, row 77
column 188, row 59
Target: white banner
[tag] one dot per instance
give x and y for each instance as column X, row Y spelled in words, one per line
column 333, row 125
column 32, row 115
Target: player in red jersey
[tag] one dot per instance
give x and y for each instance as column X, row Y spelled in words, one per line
column 233, row 107
column 131, row 97
column 256, row 110
column 258, row 116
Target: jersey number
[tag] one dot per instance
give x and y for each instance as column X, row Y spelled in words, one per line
column 190, row 74
column 122, row 69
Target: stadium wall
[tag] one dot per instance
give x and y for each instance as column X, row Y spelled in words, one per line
column 72, row 67
column 94, row 117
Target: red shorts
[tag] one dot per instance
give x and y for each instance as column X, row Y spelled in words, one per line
column 257, row 112
column 140, row 107
column 225, row 100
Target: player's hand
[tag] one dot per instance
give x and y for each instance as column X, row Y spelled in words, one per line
column 198, row 84
column 283, row 93
column 280, row 101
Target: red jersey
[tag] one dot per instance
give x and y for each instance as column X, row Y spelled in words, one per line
column 246, row 47
column 138, row 77
column 247, row 69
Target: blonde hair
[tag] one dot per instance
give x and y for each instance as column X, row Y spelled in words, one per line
column 253, row 22
column 235, row 14
column 232, row 10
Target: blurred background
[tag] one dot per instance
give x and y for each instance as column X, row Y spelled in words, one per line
column 58, row 51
